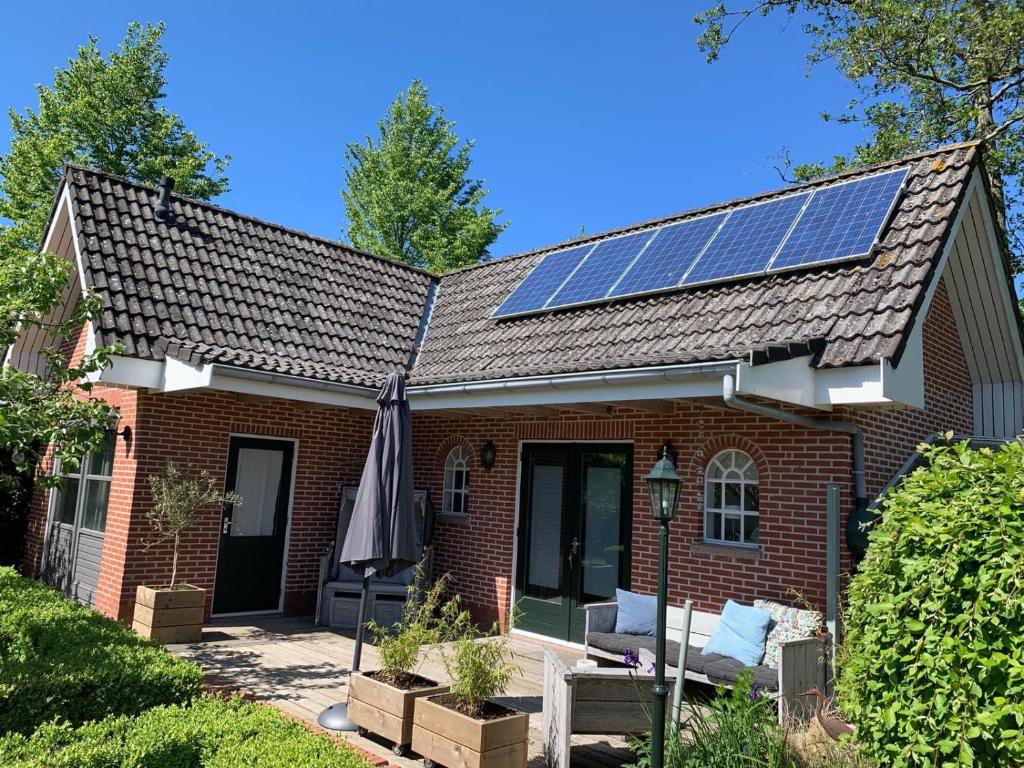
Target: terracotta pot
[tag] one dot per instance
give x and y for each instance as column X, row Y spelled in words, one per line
column 447, row 737
column 170, row 615
column 384, row 709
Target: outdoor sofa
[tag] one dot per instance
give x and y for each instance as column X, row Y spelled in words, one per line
column 800, row 661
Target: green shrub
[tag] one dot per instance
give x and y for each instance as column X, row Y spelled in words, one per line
column 62, row 660
column 934, row 667
column 210, row 733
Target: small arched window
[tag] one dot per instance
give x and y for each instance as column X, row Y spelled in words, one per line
column 731, row 499
column 456, row 482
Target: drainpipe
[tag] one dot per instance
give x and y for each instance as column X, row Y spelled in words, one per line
column 856, row 538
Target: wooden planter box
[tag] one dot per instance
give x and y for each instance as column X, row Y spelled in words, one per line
column 449, row 738
column 385, row 709
column 170, row 615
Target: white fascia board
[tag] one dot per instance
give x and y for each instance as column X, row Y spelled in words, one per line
column 905, row 384
column 132, row 372
column 856, row 385
column 249, row 386
column 789, row 381
column 179, row 375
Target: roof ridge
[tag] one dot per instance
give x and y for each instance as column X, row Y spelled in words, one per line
column 715, row 207
column 248, row 217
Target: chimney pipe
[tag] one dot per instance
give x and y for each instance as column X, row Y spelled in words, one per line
column 163, row 204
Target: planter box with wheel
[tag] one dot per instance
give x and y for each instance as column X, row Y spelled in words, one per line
column 170, row 615
column 387, row 710
column 445, row 736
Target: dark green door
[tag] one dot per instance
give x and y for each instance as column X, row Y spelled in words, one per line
column 253, row 532
column 574, row 533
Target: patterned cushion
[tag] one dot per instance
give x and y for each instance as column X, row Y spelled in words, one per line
column 787, row 624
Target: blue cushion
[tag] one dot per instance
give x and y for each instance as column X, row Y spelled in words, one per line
column 636, row 613
column 741, row 634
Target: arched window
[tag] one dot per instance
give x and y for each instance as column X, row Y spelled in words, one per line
column 731, row 499
column 456, row 482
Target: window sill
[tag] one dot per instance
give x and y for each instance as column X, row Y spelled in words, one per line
column 722, row 551
column 453, row 518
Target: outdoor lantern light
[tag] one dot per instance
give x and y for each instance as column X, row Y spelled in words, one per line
column 663, row 487
column 487, row 455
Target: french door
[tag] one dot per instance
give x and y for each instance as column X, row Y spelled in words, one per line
column 574, row 533
column 252, row 534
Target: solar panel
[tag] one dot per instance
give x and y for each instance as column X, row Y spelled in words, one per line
column 668, row 256
column 747, row 240
column 842, row 221
column 536, row 288
column 604, row 265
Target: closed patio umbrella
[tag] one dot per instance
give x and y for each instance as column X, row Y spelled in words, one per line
column 381, row 537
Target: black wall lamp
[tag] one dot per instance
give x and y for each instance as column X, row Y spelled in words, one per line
column 488, row 454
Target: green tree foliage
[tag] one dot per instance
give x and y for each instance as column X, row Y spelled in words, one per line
column 930, row 72
column 102, row 111
column 408, row 195
column 934, row 669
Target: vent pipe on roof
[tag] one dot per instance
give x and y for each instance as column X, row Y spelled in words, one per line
column 163, row 204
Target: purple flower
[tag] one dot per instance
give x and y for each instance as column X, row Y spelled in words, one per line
column 650, row 668
column 755, row 692
column 630, row 658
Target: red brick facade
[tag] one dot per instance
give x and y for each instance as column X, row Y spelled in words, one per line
column 795, row 466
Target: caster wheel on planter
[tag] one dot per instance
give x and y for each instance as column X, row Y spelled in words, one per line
column 428, row 763
column 361, row 731
column 399, row 750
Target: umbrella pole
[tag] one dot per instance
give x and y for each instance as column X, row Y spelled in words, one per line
column 335, row 717
column 357, row 655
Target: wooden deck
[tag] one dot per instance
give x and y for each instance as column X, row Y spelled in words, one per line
column 302, row 669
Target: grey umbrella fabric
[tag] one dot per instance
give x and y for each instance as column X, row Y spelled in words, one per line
column 381, row 537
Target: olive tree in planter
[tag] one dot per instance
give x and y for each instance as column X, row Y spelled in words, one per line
column 382, row 701
column 465, row 726
column 173, row 612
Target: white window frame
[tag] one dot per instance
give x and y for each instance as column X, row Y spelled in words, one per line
column 736, row 467
column 84, row 477
column 457, row 460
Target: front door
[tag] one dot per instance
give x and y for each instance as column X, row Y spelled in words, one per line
column 252, row 533
column 574, row 533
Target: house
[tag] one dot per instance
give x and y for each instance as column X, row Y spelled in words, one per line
column 789, row 397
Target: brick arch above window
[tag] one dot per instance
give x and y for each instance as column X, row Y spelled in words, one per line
column 697, row 468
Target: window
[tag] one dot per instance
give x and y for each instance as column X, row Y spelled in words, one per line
column 86, row 490
column 731, row 499
column 456, row 483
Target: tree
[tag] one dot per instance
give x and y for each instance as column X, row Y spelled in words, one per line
column 929, row 72
column 102, row 111
column 407, row 194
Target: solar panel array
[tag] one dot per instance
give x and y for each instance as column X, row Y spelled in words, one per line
column 834, row 223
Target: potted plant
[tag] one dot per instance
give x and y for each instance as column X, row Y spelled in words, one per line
column 382, row 701
column 465, row 727
column 173, row 613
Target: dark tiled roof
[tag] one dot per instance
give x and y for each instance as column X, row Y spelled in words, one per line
column 852, row 313
column 211, row 285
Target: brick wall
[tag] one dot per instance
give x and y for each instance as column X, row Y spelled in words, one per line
column 795, row 466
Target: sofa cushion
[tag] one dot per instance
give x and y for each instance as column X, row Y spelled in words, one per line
column 617, row 643
column 740, row 634
column 727, row 671
column 636, row 614
column 787, row 624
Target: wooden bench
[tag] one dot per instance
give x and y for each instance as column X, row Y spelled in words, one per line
column 602, row 700
column 800, row 668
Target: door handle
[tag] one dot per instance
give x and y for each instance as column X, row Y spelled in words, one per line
column 574, row 549
column 226, row 527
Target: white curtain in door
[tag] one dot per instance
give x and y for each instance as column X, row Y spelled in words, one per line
column 257, row 481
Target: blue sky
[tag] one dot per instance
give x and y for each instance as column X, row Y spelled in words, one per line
column 592, row 114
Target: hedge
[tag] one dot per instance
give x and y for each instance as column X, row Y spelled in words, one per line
column 210, row 733
column 59, row 659
column 934, row 667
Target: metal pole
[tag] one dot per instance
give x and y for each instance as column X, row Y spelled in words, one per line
column 659, row 690
column 832, row 561
column 357, row 655
column 684, row 649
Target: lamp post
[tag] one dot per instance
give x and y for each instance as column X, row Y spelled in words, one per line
column 663, row 489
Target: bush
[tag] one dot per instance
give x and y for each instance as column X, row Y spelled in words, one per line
column 934, row 667
column 211, row 733
column 62, row 660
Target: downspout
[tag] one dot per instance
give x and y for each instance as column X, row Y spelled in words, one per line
column 856, row 538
